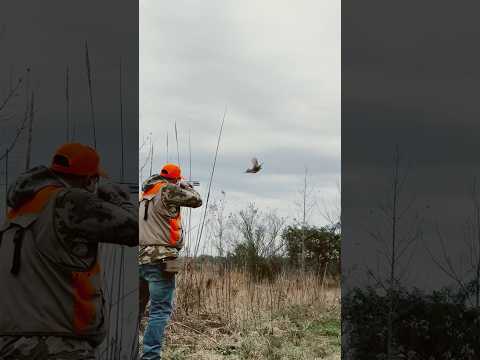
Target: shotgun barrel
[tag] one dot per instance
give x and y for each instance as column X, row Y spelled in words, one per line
column 192, row 183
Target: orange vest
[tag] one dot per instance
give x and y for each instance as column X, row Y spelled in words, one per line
column 76, row 291
column 174, row 223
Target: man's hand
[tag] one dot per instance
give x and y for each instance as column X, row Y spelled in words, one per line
column 185, row 185
column 113, row 193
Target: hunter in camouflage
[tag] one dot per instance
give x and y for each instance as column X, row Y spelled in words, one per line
column 172, row 198
column 161, row 240
column 61, row 215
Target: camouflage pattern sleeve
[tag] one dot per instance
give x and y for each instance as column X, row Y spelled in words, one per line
column 85, row 216
column 175, row 195
column 115, row 194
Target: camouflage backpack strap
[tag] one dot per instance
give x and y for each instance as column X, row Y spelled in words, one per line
column 18, row 241
column 149, row 194
column 21, row 218
column 3, row 228
column 145, row 214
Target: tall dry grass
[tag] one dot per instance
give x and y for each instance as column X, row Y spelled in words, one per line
column 224, row 294
column 220, row 311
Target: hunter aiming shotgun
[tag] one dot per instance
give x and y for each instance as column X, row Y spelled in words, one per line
column 161, row 239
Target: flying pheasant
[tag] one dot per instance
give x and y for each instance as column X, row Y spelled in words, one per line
column 256, row 167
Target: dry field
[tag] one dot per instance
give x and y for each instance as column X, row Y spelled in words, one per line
column 222, row 314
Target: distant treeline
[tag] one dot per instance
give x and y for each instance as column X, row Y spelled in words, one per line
column 303, row 248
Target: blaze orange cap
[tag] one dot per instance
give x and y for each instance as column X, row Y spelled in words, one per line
column 77, row 159
column 171, row 171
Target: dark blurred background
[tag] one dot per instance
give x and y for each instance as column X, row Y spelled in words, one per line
column 409, row 84
column 38, row 42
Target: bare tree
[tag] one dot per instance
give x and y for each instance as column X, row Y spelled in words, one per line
column 31, row 116
column 306, row 200
column 399, row 227
column 475, row 243
column 146, row 154
column 305, row 205
column 466, row 274
column 331, row 210
column 151, row 157
column 260, row 230
column 5, row 155
column 220, row 224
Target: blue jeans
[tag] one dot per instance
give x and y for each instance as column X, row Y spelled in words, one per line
column 159, row 287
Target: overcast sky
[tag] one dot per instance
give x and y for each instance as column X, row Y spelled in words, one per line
column 410, row 77
column 277, row 69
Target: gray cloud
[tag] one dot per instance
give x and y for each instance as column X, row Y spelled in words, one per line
column 276, row 67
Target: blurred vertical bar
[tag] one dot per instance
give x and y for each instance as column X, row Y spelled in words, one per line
column 410, row 203
column 45, row 43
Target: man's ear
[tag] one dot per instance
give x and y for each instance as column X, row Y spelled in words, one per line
column 89, row 181
column 86, row 182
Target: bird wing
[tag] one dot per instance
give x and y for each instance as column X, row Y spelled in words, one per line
column 254, row 162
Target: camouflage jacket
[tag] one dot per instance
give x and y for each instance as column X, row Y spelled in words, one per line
column 172, row 198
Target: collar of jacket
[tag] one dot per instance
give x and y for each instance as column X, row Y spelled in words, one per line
column 35, row 204
column 153, row 190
